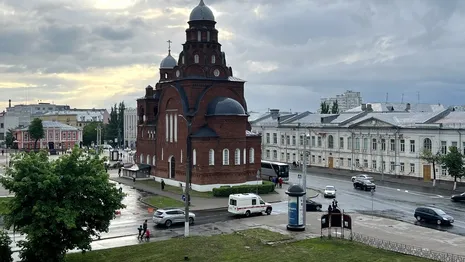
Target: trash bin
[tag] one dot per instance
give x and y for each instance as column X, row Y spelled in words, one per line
column 296, row 208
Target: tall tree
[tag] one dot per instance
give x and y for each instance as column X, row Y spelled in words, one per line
column 59, row 204
column 36, row 131
column 112, row 127
column 121, row 108
column 335, row 108
column 9, row 139
column 433, row 159
column 324, row 108
column 453, row 162
column 89, row 134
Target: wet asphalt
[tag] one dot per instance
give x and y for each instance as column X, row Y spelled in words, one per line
column 395, row 202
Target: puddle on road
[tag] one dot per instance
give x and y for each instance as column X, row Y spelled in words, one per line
column 131, row 201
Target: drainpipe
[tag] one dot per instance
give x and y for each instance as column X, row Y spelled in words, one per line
column 460, row 143
column 352, row 150
column 397, row 145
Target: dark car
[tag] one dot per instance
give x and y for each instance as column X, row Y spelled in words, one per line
column 431, row 214
column 364, row 184
column 313, row 206
column 457, row 198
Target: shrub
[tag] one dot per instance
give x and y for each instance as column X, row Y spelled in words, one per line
column 224, row 191
column 5, row 249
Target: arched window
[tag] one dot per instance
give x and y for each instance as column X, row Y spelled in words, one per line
column 199, row 36
column 141, row 158
column 208, row 36
column 330, row 141
column 148, row 160
column 166, row 75
column 427, row 144
column 182, row 59
column 211, row 157
column 237, row 157
column 153, row 160
column 244, row 155
column 225, row 157
column 196, row 59
column 213, row 59
column 167, row 127
column 251, row 155
column 194, row 157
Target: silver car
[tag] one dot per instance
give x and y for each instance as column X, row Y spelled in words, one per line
column 170, row 216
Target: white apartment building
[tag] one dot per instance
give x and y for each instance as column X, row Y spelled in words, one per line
column 380, row 142
column 345, row 101
column 130, row 127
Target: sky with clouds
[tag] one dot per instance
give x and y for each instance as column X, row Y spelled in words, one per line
column 94, row 53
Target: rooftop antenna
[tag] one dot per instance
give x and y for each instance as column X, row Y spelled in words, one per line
column 387, row 97
column 169, row 47
column 418, row 97
column 402, row 98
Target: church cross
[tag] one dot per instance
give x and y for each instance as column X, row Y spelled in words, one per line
column 169, row 46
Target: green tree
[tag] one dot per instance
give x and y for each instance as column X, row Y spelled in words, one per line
column 121, row 109
column 335, row 108
column 453, row 162
column 9, row 139
column 111, row 130
column 89, row 134
column 5, row 249
column 36, row 131
column 324, row 108
column 59, row 205
column 433, row 159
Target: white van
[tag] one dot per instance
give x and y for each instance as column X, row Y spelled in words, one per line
column 247, row 204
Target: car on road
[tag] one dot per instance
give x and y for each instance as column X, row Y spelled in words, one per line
column 330, row 191
column 248, row 204
column 457, row 198
column 431, row 214
column 312, row 205
column 362, row 176
column 364, row 184
column 170, row 216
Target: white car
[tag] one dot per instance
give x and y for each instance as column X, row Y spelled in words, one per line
column 362, row 176
column 330, row 191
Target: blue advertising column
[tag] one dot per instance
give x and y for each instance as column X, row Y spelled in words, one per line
column 296, row 208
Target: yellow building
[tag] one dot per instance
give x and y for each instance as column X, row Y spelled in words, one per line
column 65, row 118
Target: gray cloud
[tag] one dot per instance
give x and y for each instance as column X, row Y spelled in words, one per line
column 320, row 48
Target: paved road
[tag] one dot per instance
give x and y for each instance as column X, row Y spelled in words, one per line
column 390, row 202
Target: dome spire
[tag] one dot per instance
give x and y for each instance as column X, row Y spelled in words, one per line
column 169, row 46
column 201, row 3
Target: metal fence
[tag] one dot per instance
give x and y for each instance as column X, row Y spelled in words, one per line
column 406, row 249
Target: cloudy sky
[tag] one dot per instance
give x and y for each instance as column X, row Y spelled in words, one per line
column 93, row 53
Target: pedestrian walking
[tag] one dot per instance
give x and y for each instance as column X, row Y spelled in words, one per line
column 162, row 184
column 134, row 179
column 147, row 235
column 144, row 227
column 140, row 231
column 280, row 182
column 276, row 181
column 119, row 172
column 3, row 152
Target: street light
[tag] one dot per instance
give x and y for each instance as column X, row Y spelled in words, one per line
column 188, row 120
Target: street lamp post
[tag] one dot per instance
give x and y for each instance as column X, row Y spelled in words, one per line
column 188, row 120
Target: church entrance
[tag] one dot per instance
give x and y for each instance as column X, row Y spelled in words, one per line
column 172, row 167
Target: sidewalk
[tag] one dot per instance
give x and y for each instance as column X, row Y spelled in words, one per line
column 442, row 186
column 199, row 203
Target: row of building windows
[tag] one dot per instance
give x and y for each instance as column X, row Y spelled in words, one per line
column 197, row 59
column 171, row 125
column 65, row 136
column 211, row 157
column 363, row 143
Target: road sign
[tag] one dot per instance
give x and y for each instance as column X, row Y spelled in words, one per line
column 183, row 197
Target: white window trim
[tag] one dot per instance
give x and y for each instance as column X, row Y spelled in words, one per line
column 244, row 160
column 171, row 127
column 211, row 157
column 167, row 121
column 194, row 157
column 237, row 157
column 196, row 58
column 252, row 155
column 199, row 36
column 225, row 157
column 181, row 156
column 175, row 128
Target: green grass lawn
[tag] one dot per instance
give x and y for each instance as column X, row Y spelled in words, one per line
column 175, row 189
column 163, row 202
column 3, row 201
column 249, row 245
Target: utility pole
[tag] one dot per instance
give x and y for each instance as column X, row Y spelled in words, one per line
column 304, row 170
column 99, row 138
column 188, row 120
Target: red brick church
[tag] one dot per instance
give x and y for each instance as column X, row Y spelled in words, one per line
column 199, row 86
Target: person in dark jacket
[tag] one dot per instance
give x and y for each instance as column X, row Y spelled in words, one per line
column 144, row 228
column 140, row 232
column 162, row 184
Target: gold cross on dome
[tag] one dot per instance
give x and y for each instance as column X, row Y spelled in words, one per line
column 169, row 46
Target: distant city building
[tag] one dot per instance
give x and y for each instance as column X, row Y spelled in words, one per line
column 397, row 107
column 57, row 136
column 345, row 101
column 77, row 117
column 25, row 113
column 130, row 127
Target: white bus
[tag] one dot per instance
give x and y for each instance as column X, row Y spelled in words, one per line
column 270, row 170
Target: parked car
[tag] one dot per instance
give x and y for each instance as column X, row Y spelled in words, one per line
column 313, row 206
column 330, row 191
column 362, row 176
column 170, row 216
column 431, row 214
column 457, row 198
column 364, row 184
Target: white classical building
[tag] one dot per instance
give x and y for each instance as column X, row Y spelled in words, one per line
column 130, row 127
column 385, row 141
